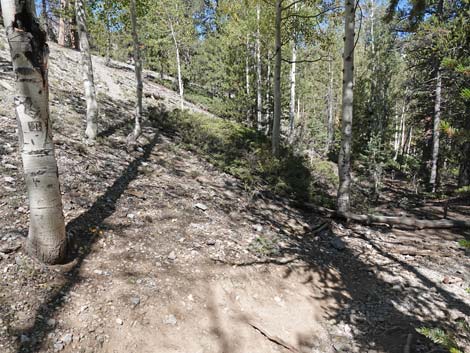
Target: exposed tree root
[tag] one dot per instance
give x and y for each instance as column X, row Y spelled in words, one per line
column 409, row 222
column 279, row 341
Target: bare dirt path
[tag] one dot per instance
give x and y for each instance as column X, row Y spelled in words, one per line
column 174, row 256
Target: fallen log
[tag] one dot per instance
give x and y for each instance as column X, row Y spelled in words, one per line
column 409, row 222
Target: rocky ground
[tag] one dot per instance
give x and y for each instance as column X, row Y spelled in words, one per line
column 172, row 255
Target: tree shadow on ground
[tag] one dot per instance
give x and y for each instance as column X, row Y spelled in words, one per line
column 381, row 314
column 81, row 239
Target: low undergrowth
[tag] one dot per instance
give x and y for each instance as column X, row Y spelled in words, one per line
column 246, row 154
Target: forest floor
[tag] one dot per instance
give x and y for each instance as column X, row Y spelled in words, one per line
column 173, row 255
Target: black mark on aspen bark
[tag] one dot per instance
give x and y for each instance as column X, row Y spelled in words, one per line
column 35, row 36
column 35, row 126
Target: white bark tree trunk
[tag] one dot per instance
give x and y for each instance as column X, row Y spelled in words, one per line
column 87, row 72
column 178, row 65
column 400, row 133
column 331, row 108
column 276, row 133
column 29, row 52
column 247, row 65
column 344, row 162
column 132, row 138
column 259, row 99
column 436, row 132
column 267, row 122
column 293, row 76
column 410, row 138
column 62, row 23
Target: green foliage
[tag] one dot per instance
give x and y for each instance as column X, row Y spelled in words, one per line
column 264, row 246
column 465, row 94
column 246, row 154
column 464, row 243
column 463, row 190
column 440, row 337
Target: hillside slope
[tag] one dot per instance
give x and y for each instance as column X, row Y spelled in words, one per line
column 173, row 255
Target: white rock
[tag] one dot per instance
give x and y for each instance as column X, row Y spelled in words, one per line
column 201, row 206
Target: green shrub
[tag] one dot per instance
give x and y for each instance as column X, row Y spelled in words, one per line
column 439, row 336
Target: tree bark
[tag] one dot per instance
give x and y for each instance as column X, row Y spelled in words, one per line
column 62, row 23
column 464, row 172
column 409, row 222
column 247, row 65
column 132, row 138
column 293, row 75
column 267, row 122
column 436, row 132
column 259, row 99
column 331, row 108
column 276, row 133
column 45, row 19
column 108, row 37
column 74, row 38
column 29, row 52
column 87, row 72
column 178, row 66
column 344, row 162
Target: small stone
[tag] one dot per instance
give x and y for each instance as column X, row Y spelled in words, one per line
column 51, row 322
column 258, row 227
column 67, row 338
column 172, row 256
column 131, row 216
column 9, row 179
column 201, row 206
column 170, row 320
column 98, row 272
column 58, row 346
column 135, row 301
column 119, row 321
column 338, row 244
column 10, row 166
column 210, row 242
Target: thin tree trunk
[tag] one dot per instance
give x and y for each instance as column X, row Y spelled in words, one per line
column 45, row 19
column 396, row 137
column 87, row 72
column 293, row 75
column 108, row 41
column 344, row 162
column 247, row 65
column 74, row 38
column 400, row 134
column 132, row 138
column 276, row 133
column 331, row 103
column 436, row 132
column 259, row 100
column 267, row 127
column 46, row 238
column 178, row 66
column 410, row 137
column 62, row 23
column 464, row 172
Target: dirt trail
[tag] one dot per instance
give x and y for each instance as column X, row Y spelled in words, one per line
column 175, row 256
